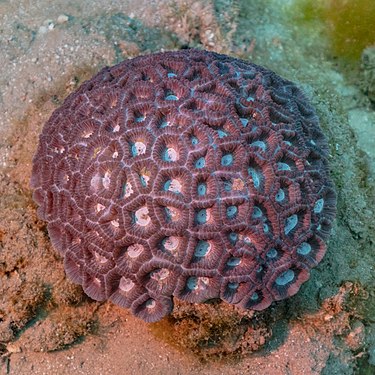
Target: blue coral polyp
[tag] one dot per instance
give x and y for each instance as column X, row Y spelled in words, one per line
column 189, row 175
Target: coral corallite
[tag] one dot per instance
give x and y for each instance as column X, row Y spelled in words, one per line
column 187, row 174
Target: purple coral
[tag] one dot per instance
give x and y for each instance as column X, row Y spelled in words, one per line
column 187, row 174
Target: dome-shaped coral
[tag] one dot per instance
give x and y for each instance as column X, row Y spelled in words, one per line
column 187, row 174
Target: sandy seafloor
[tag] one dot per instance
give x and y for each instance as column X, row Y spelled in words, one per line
column 47, row 326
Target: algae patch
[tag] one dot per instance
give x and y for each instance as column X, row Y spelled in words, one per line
column 348, row 24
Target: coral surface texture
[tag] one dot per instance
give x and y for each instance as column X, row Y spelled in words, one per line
column 187, row 174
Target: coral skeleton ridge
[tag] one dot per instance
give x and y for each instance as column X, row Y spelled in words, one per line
column 185, row 174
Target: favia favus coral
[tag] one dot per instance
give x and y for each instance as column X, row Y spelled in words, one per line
column 187, row 174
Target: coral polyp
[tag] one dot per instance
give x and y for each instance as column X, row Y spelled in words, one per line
column 187, row 175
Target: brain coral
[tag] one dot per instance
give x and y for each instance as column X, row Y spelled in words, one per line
column 187, row 174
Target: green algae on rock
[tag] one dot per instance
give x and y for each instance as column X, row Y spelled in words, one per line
column 349, row 24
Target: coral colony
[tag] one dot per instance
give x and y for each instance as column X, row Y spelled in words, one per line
column 187, row 174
